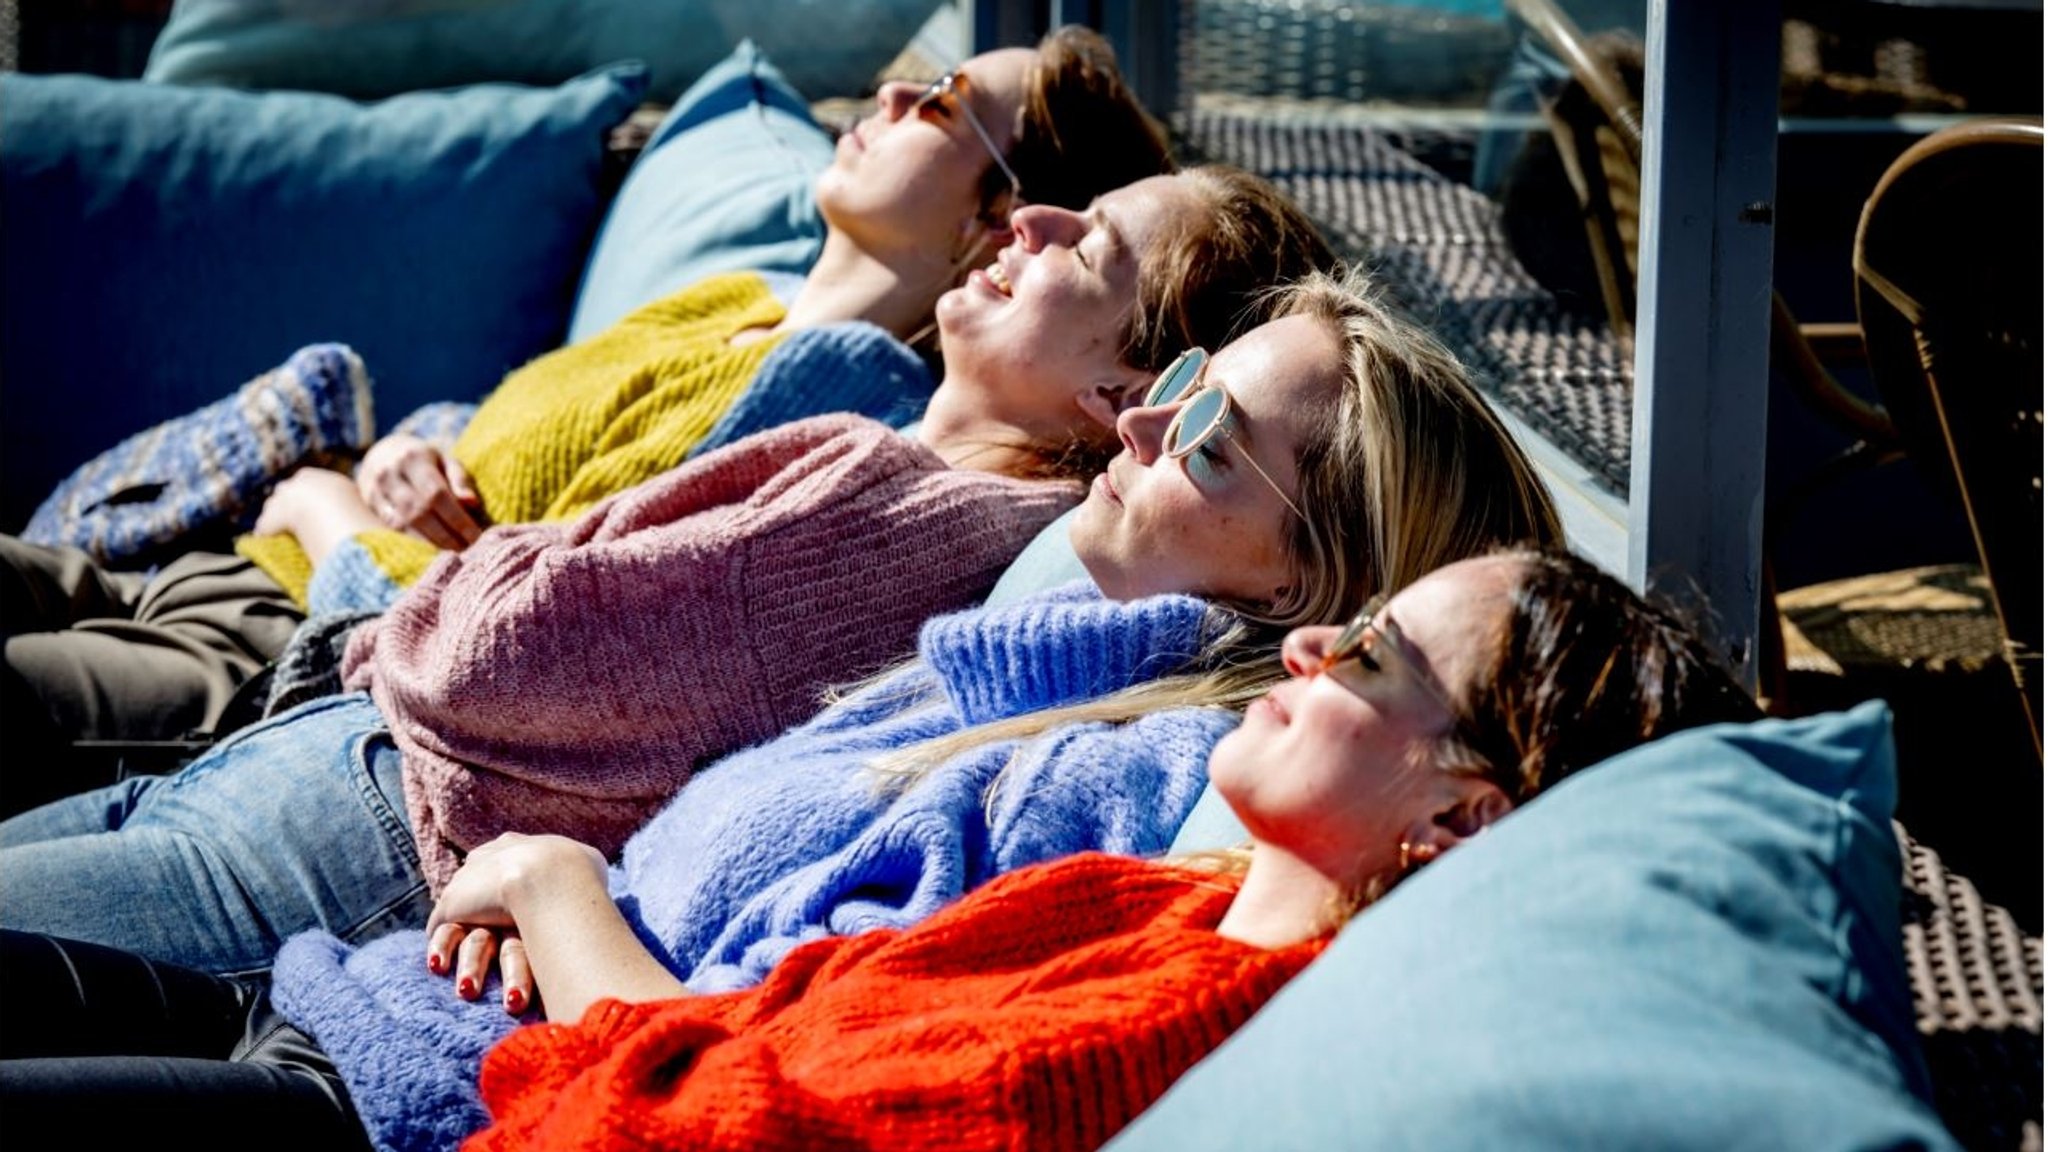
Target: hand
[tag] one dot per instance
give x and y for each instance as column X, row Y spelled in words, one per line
column 305, row 498
column 469, row 952
column 476, row 920
column 412, row 486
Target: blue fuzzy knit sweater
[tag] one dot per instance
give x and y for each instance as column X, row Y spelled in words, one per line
column 794, row 839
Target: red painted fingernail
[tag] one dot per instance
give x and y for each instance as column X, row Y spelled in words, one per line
column 465, row 987
column 514, row 1001
column 435, row 964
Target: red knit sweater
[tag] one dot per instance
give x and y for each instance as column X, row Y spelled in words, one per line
column 1044, row 1010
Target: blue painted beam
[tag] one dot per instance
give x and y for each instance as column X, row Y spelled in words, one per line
column 1696, row 492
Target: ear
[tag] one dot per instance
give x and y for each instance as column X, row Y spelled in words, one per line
column 1470, row 806
column 1104, row 400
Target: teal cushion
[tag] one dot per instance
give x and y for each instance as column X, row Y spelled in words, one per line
column 166, row 244
column 1047, row 562
column 1693, row 946
column 723, row 185
column 828, row 47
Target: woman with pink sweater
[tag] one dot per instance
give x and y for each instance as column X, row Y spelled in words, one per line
column 571, row 677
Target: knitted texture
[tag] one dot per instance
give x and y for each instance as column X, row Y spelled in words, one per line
column 519, row 700
column 872, row 374
column 602, row 415
column 1044, row 1012
column 799, row 839
column 790, row 840
column 213, row 465
column 440, row 423
column 367, row 572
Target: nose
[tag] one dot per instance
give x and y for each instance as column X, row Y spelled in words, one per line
column 1042, row 225
column 1303, row 650
column 1143, row 430
column 895, row 98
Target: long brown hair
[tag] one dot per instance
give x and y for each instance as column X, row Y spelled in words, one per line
column 1081, row 131
column 1585, row 668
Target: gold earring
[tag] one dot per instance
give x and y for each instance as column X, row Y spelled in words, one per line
column 1407, row 854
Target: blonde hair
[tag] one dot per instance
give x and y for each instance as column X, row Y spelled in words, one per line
column 1407, row 471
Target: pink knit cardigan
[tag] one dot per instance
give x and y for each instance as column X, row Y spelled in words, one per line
column 569, row 677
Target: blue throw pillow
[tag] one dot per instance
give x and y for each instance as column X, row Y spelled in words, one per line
column 165, row 244
column 828, row 47
column 1693, row 946
column 724, row 185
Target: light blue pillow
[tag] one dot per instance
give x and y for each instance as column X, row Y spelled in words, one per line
column 368, row 50
column 1693, row 946
column 1045, row 563
column 165, row 244
column 723, row 185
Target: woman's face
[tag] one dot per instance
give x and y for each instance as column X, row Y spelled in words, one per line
column 1341, row 768
column 1041, row 328
column 910, row 176
column 1209, row 524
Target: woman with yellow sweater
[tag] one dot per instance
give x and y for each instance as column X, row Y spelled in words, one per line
column 919, row 191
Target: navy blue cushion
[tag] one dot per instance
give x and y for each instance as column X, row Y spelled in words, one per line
column 724, row 185
column 1693, row 946
column 366, row 50
column 166, row 244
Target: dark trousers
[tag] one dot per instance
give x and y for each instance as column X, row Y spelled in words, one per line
column 103, row 1047
column 95, row 654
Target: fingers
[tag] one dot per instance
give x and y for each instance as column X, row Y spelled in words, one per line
column 473, row 960
column 447, row 523
column 441, row 942
column 517, row 974
column 412, row 487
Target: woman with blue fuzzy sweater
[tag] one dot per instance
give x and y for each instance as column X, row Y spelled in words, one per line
column 1328, row 455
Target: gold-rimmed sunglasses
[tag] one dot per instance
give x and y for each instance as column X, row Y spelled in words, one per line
column 1206, row 410
column 1364, row 643
column 951, row 90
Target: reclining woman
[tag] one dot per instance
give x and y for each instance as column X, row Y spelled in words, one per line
column 920, row 191
column 1044, row 1010
column 570, row 677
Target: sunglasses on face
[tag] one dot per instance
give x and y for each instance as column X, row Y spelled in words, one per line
column 1206, row 410
column 950, row 91
column 1364, row 649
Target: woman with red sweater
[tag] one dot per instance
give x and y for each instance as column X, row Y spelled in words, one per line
column 1049, row 1008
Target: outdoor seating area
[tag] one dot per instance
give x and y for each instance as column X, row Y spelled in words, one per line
column 1771, row 354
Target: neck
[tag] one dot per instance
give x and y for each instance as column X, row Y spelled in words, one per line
column 1285, row 900
column 895, row 291
column 967, row 437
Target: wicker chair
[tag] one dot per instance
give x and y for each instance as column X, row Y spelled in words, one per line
column 1948, row 291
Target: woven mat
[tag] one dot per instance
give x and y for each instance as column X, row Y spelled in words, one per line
column 1934, row 620
column 1977, row 1001
column 1440, row 247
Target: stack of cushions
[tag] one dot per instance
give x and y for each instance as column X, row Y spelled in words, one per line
column 1693, row 946
column 166, row 244
column 829, row 47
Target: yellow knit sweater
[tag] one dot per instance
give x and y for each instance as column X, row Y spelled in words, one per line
column 588, row 420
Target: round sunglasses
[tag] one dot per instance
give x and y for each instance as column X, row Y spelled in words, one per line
column 1206, row 409
column 1363, row 649
column 950, row 91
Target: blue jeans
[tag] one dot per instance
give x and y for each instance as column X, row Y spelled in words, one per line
column 295, row 823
